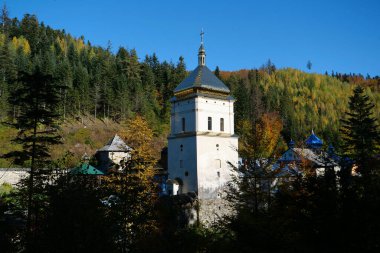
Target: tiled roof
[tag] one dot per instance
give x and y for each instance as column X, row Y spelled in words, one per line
column 202, row 77
column 321, row 159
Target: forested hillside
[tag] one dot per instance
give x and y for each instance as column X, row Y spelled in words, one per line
column 305, row 101
column 100, row 84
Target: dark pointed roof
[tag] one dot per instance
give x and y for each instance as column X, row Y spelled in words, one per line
column 202, row 77
column 116, row 144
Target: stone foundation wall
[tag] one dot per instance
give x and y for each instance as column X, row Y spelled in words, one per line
column 212, row 210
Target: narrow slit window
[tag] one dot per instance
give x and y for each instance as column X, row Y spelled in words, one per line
column 183, row 125
column 222, row 124
column 218, row 164
column 209, row 123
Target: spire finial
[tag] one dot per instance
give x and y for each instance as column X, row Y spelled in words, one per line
column 201, row 52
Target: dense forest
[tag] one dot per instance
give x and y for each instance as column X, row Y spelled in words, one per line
column 98, row 84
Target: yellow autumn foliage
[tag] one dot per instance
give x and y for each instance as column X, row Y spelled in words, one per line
column 21, row 42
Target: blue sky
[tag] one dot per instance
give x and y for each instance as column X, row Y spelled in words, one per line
column 343, row 36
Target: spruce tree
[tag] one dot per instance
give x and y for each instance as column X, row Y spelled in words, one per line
column 37, row 101
column 360, row 130
column 217, row 72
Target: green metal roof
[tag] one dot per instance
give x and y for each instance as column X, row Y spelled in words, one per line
column 85, row 169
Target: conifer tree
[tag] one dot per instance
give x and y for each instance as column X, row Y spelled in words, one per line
column 5, row 20
column 37, row 101
column 360, row 130
column 217, row 72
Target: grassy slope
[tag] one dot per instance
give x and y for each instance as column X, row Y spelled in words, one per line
column 79, row 137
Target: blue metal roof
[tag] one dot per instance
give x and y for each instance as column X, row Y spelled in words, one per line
column 202, row 77
column 313, row 141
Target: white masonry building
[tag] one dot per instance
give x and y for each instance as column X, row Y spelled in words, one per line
column 202, row 143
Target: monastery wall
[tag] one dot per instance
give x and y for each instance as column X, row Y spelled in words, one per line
column 12, row 175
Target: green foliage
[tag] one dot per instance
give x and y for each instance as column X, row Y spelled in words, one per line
column 5, row 190
column 360, row 130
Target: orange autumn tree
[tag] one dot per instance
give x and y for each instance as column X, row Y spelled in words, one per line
column 261, row 138
column 134, row 192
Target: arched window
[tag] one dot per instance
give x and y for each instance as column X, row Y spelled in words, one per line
column 209, row 123
column 222, row 124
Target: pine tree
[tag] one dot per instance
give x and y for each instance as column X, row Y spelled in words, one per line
column 5, row 20
column 217, row 72
column 29, row 27
column 309, row 65
column 37, row 100
column 360, row 130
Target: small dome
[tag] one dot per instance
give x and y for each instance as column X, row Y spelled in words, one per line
column 314, row 141
column 291, row 144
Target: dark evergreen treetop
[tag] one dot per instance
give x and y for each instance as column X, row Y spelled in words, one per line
column 36, row 100
column 360, row 128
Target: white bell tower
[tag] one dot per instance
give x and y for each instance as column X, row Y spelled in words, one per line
column 202, row 142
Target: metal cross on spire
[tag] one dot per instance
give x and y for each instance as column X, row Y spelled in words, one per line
column 202, row 34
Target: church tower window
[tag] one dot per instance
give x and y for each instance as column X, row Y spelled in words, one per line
column 183, row 125
column 222, row 124
column 218, row 164
column 209, row 123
